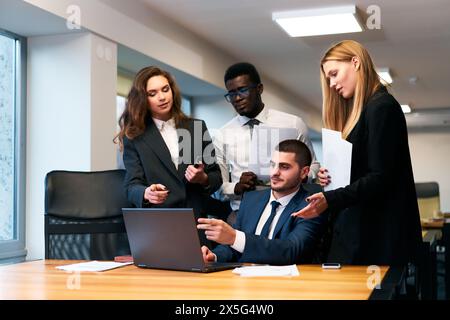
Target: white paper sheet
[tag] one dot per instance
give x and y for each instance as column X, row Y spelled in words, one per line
column 267, row 271
column 337, row 158
column 93, row 266
column 264, row 141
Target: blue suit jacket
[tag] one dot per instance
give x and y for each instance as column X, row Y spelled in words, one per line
column 294, row 239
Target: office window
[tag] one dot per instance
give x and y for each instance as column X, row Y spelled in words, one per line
column 120, row 106
column 12, row 160
column 7, row 50
column 186, row 105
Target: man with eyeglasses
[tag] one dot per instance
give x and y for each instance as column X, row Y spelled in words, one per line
column 244, row 87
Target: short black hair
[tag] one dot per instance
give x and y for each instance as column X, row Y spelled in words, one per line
column 302, row 152
column 242, row 68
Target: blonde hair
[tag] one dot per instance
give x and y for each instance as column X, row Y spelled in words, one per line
column 342, row 114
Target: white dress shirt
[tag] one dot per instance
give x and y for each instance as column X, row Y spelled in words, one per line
column 239, row 243
column 169, row 134
column 232, row 143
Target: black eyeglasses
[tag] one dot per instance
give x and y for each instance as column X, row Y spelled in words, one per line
column 242, row 92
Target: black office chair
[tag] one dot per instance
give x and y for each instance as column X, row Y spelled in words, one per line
column 428, row 199
column 83, row 216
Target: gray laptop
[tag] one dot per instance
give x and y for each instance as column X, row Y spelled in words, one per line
column 167, row 239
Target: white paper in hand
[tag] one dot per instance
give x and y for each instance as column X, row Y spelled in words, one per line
column 337, row 158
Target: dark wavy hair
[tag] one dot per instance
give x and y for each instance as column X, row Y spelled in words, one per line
column 133, row 120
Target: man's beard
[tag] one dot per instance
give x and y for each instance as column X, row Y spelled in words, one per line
column 287, row 186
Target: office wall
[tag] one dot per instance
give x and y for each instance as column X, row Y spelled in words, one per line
column 134, row 25
column 140, row 29
column 216, row 111
column 274, row 97
column 430, row 156
column 103, row 106
column 71, row 116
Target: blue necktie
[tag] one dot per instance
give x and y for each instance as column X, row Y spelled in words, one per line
column 265, row 230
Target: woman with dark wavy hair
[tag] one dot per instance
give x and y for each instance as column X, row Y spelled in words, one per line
column 168, row 156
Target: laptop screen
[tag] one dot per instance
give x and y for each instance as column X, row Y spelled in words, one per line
column 163, row 238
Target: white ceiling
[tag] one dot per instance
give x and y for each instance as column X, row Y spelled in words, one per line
column 414, row 41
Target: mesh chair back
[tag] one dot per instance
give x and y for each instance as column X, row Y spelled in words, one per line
column 83, row 216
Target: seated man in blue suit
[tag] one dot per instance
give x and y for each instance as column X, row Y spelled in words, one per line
column 265, row 232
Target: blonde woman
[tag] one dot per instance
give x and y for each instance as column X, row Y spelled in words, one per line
column 376, row 217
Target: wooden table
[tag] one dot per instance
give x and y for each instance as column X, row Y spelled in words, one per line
column 40, row 280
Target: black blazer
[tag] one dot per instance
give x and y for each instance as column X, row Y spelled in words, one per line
column 376, row 217
column 147, row 161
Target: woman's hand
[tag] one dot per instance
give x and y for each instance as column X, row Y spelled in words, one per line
column 196, row 174
column 317, row 204
column 156, row 193
column 324, row 178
